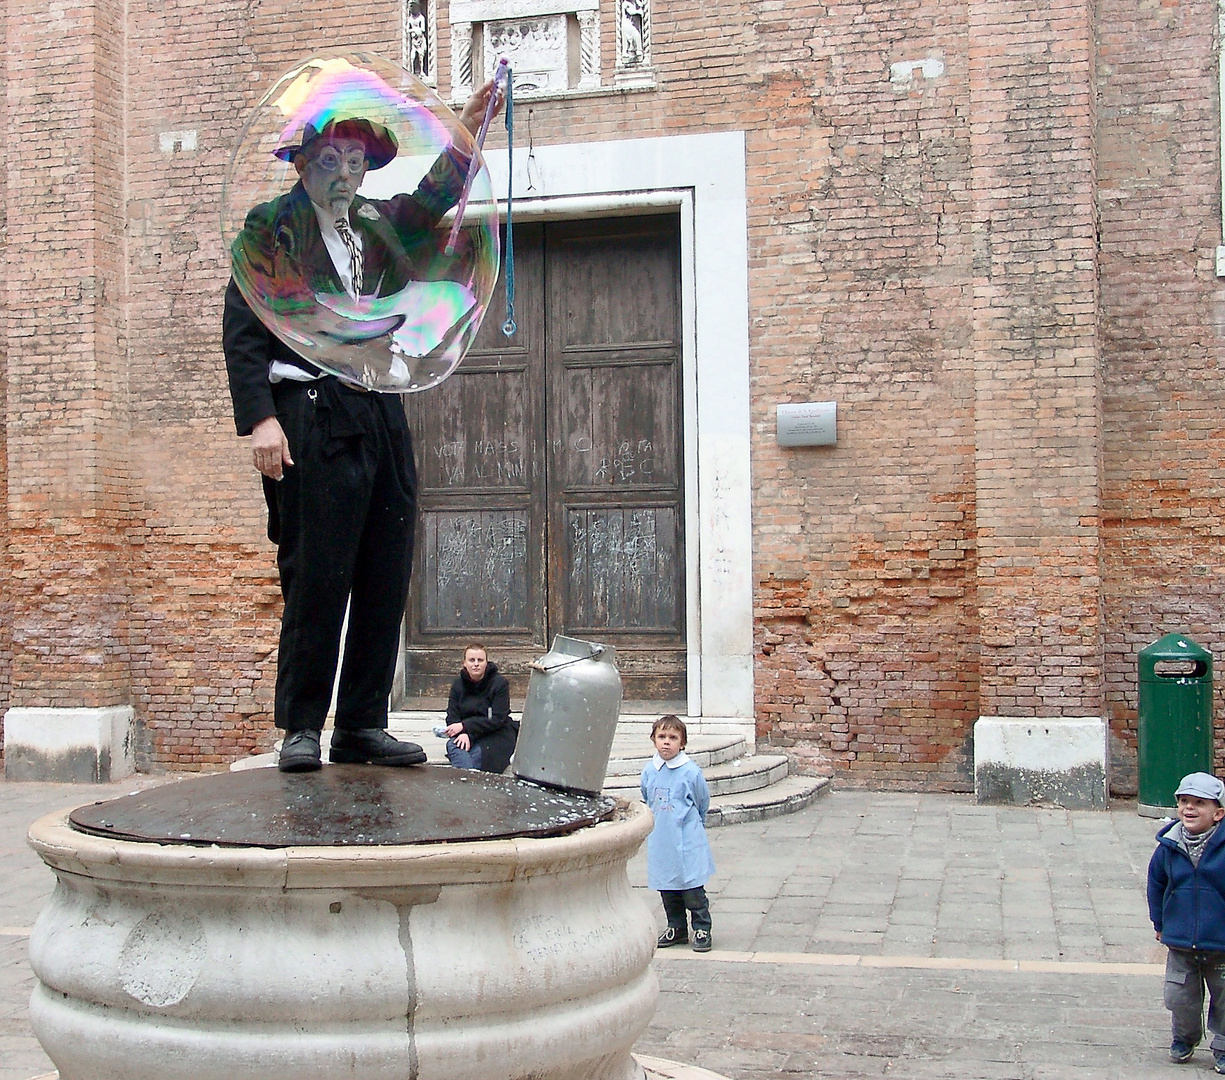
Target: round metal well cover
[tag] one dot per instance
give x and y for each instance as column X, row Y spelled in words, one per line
column 341, row 805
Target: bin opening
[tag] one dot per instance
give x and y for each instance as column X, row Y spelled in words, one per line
column 1180, row 669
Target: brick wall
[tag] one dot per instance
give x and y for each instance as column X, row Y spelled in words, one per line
column 1026, row 485
column 861, row 293
column 1037, row 412
column 67, row 473
column 6, row 618
column 1160, row 329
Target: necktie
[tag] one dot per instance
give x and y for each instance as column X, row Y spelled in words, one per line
column 355, row 254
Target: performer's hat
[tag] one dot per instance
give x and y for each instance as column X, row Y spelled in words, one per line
column 381, row 144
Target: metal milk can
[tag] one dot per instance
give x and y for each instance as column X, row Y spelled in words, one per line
column 569, row 716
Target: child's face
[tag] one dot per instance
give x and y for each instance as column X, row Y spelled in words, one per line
column 1198, row 814
column 668, row 743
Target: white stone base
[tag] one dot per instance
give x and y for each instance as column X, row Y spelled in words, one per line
column 521, row 959
column 1057, row 761
column 78, row 746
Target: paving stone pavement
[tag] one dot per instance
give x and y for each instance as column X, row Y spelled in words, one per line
column 870, row 935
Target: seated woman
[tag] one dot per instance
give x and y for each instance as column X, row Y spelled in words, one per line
column 480, row 733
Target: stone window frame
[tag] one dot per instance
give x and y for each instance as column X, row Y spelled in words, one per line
column 469, row 18
column 704, row 177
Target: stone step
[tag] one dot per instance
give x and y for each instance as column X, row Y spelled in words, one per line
column 729, row 778
column 631, row 748
column 785, row 797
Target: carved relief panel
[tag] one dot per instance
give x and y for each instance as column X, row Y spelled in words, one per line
column 553, row 45
column 538, row 50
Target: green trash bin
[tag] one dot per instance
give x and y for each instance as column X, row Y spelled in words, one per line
column 1175, row 714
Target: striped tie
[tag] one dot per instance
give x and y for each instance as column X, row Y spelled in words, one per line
column 355, row 254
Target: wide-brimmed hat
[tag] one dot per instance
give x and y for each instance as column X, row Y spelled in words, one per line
column 381, row 144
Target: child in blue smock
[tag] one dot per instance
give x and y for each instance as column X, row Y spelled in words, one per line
column 679, row 862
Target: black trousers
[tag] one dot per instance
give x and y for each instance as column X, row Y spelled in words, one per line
column 678, row 901
column 342, row 517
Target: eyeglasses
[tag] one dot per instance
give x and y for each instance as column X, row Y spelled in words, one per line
column 329, row 159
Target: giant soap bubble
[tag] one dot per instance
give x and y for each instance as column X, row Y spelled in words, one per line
column 421, row 299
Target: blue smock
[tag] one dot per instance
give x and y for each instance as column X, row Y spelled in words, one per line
column 678, row 854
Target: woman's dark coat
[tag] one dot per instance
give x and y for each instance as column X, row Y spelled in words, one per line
column 484, row 710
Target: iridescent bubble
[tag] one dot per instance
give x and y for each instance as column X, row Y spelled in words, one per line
column 351, row 119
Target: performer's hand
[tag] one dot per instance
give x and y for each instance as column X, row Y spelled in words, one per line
column 270, row 448
column 463, row 742
column 475, row 106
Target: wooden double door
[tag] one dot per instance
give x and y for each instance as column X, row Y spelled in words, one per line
column 550, row 468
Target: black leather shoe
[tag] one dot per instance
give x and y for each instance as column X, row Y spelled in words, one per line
column 672, row 936
column 300, row 752
column 372, row 746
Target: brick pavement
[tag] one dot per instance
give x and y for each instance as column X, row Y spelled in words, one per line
column 872, row 934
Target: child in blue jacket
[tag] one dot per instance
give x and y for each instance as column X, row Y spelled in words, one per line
column 679, row 862
column 1186, row 901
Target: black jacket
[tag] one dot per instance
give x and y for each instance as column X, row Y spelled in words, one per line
column 484, row 710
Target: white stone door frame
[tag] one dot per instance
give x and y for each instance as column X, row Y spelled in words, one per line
column 703, row 178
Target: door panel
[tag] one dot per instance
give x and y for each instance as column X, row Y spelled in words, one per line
column 623, row 564
column 478, row 585
column 479, row 432
column 550, row 471
column 615, row 513
column 620, row 447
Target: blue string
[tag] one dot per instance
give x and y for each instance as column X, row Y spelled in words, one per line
column 509, row 327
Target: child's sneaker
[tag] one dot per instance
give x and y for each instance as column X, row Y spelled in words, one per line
column 701, row 941
column 672, row 936
column 1181, row 1052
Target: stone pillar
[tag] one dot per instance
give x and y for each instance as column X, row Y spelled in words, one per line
column 461, row 60
column 66, row 567
column 589, row 49
column 1037, row 397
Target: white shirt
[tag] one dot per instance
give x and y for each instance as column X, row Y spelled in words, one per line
column 339, row 255
column 336, row 246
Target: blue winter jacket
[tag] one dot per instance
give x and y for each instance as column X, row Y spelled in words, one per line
column 1186, row 902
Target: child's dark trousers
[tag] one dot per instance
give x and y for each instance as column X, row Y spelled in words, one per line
column 678, row 901
column 1186, row 973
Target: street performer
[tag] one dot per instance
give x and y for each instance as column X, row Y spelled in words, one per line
column 336, row 459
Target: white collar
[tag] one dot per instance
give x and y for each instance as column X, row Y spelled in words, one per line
column 681, row 759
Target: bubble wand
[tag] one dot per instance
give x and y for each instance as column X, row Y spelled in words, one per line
column 501, row 76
